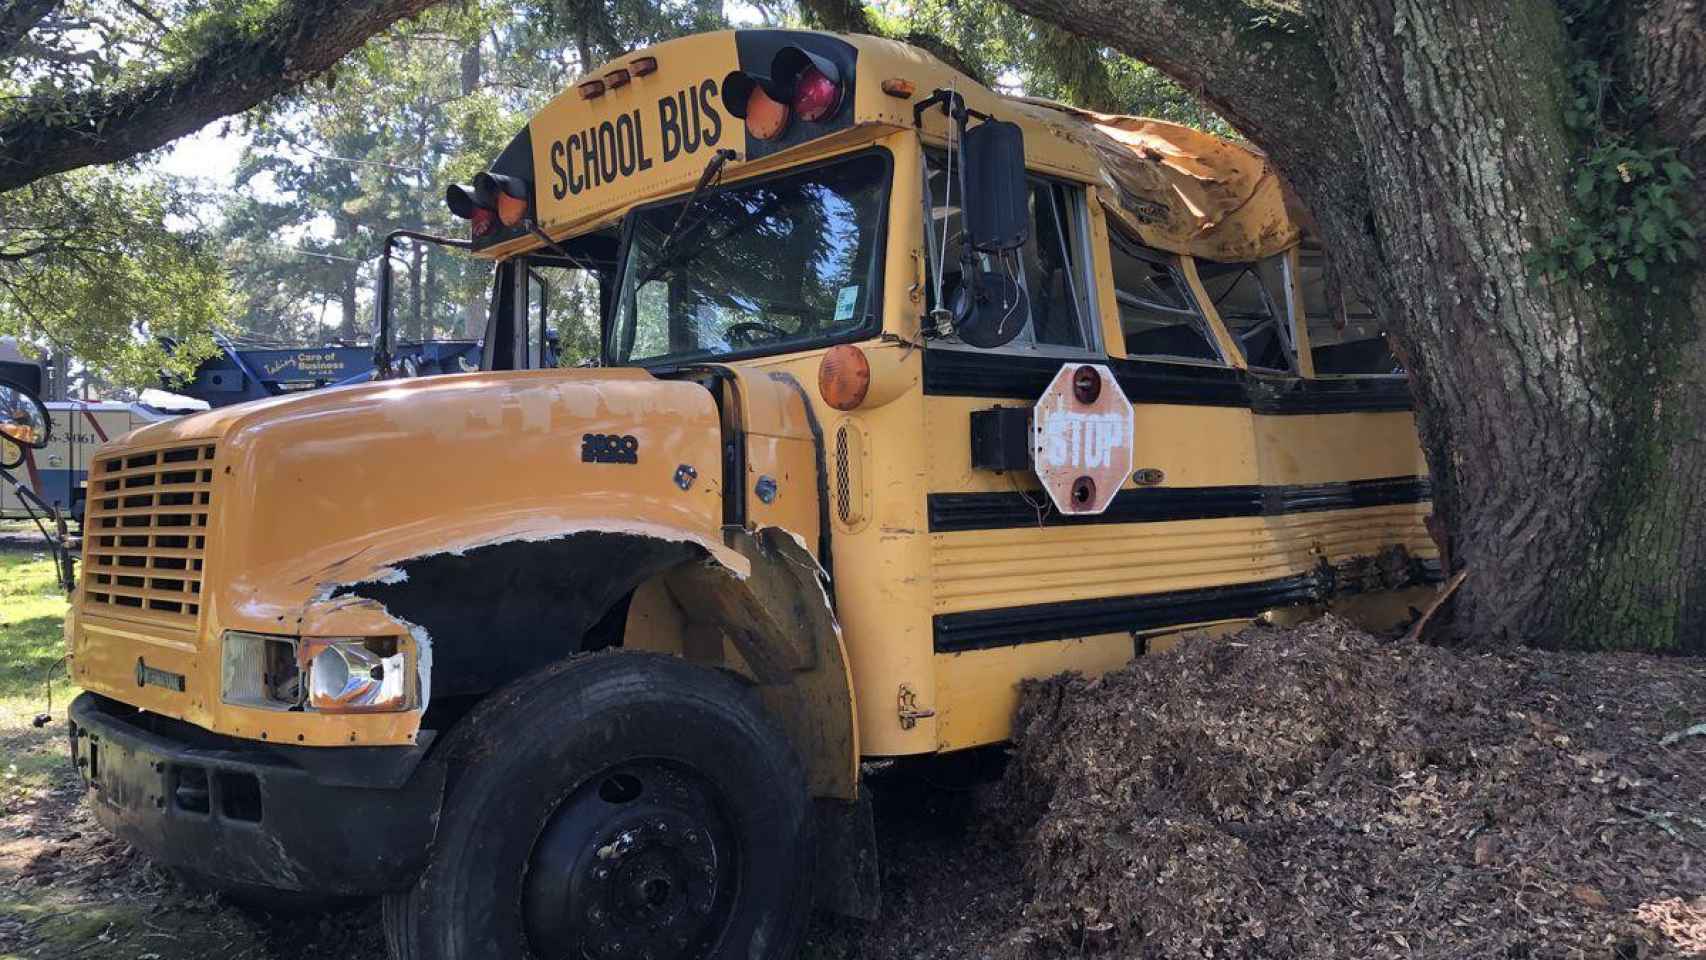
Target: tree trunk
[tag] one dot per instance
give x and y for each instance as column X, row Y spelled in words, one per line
column 345, row 229
column 1562, row 419
column 1667, row 52
column 1537, row 407
column 347, row 304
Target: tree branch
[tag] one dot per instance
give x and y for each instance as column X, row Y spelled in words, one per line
column 19, row 17
column 947, row 53
column 850, row 16
column 1083, row 70
column 1256, row 62
column 301, row 39
column 840, row 16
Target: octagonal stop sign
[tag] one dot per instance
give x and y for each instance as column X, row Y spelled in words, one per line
column 1082, row 438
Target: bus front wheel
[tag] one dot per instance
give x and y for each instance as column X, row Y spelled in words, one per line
column 624, row 806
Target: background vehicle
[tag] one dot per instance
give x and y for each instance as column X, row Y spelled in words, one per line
column 244, row 371
column 58, row 471
column 910, row 392
column 25, row 428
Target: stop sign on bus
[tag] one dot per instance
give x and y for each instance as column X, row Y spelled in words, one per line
column 1082, row 438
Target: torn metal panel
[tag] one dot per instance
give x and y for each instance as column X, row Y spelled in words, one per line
column 493, row 612
column 477, row 610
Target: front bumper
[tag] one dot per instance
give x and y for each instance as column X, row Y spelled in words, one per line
column 342, row 821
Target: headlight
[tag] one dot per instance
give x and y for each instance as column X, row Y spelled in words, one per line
column 355, row 675
column 260, row 671
column 329, row 675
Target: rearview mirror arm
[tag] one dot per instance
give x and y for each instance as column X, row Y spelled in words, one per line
column 382, row 356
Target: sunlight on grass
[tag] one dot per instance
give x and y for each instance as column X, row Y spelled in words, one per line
column 31, row 645
column 32, row 610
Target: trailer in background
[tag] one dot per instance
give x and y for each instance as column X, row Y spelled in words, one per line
column 57, row 473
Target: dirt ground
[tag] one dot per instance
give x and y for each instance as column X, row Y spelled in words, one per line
column 68, row 891
column 1305, row 793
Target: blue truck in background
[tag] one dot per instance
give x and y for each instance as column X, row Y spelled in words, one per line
column 239, row 373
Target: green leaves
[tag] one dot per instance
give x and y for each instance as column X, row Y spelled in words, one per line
column 1629, row 220
column 106, row 266
column 1629, row 225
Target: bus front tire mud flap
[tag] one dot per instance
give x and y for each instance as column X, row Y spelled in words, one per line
column 535, row 748
column 848, row 881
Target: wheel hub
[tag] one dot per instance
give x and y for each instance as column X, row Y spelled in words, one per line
column 630, row 868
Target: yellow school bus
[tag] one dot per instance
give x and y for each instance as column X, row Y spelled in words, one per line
column 908, row 392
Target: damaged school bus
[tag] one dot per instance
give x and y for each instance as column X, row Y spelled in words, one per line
column 908, row 392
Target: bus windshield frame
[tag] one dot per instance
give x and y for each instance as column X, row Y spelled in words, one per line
column 854, row 313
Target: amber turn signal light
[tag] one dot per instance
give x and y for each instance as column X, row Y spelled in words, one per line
column 765, row 118
column 844, row 377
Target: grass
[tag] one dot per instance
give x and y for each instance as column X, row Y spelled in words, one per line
column 32, row 610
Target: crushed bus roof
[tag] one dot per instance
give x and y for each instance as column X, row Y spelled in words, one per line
column 1183, row 190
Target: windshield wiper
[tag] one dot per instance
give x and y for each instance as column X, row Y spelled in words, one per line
column 713, row 170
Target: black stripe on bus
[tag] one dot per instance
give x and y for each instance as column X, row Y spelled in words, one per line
column 970, row 373
column 1290, row 395
column 1042, row 622
column 975, row 373
column 954, row 512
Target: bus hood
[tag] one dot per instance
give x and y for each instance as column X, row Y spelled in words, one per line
column 338, row 485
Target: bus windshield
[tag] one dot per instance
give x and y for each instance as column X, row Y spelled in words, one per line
column 776, row 264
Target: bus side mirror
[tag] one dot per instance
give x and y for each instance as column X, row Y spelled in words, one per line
column 997, row 207
column 24, row 424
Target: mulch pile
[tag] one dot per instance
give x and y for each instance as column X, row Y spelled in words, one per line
column 1318, row 792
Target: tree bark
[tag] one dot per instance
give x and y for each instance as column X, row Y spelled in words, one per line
column 1667, row 51
column 1464, row 154
column 1562, row 419
column 18, row 18
column 299, row 40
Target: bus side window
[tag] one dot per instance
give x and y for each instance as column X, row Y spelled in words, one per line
column 538, row 304
column 1158, row 316
column 1054, row 275
column 566, row 300
column 1250, row 298
column 1051, row 264
column 1345, row 337
column 563, row 310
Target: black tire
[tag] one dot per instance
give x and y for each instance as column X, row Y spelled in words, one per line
column 616, row 807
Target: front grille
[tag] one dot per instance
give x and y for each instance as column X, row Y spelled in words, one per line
column 146, row 533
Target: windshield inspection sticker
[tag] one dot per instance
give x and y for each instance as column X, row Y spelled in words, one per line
column 845, row 303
